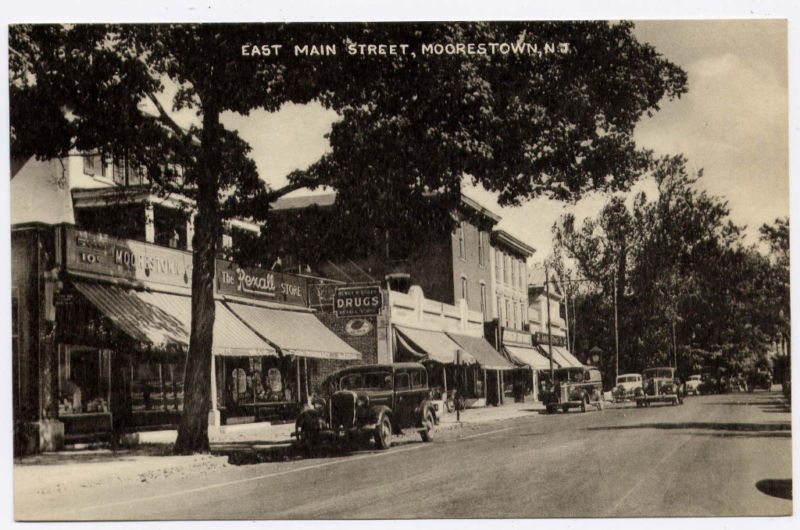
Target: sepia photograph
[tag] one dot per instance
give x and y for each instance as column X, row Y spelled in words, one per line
column 390, row 270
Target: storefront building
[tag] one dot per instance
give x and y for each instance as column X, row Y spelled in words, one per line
column 101, row 330
column 448, row 339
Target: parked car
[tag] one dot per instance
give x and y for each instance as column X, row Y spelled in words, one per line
column 659, row 385
column 626, row 386
column 575, row 387
column 693, row 384
column 759, row 379
column 366, row 401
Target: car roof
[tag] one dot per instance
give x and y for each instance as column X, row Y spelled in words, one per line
column 383, row 366
column 629, row 375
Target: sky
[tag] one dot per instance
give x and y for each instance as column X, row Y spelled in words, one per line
column 732, row 123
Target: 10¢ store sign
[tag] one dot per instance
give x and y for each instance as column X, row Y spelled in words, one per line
column 357, row 301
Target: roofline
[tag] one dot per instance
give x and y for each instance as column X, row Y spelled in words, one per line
column 479, row 208
column 515, row 244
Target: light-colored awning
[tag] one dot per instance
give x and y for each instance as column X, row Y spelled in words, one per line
column 163, row 320
column 561, row 355
column 436, row 345
column 295, row 332
column 483, row 352
column 529, row 357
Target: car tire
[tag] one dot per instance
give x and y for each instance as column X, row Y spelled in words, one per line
column 427, row 427
column 565, row 408
column 383, row 433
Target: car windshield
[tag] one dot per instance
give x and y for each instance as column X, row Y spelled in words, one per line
column 658, row 373
column 695, row 378
column 366, row 381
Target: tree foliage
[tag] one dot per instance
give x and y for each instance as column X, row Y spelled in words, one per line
column 524, row 125
column 680, row 262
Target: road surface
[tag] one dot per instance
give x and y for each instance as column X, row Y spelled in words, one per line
column 707, row 457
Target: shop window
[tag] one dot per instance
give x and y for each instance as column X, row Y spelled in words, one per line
column 156, row 386
column 249, row 380
column 84, row 380
column 118, row 171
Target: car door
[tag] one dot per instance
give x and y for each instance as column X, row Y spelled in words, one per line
column 419, row 393
column 403, row 398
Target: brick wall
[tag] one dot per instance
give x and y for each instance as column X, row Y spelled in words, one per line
column 469, row 267
column 366, row 344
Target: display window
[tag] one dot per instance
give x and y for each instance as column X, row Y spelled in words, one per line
column 84, row 380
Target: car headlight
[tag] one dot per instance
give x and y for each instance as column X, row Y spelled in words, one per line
column 362, row 402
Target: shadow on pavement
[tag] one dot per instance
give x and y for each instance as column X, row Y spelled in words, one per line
column 769, row 429
column 95, row 455
column 247, row 453
column 781, row 488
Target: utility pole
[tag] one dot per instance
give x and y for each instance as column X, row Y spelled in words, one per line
column 566, row 311
column 616, row 328
column 674, row 345
column 549, row 337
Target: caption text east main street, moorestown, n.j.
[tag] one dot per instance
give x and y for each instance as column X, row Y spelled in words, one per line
column 461, row 48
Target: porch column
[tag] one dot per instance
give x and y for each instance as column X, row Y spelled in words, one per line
column 149, row 223
column 213, row 413
column 189, row 231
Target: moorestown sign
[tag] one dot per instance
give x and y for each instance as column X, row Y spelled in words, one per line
column 102, row 255
column 260, row 284
column 357, row 301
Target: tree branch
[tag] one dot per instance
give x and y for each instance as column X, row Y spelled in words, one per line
column 167, row 119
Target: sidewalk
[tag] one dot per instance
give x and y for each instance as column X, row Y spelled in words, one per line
column 151, row 459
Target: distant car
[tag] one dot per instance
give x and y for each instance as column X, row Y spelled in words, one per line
column 693, row 384
column 579, row 386
column 626, row 386
column 659, row 385
column 369, row 401
column 759, row 379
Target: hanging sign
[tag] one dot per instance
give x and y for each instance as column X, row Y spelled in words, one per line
column 260, row 284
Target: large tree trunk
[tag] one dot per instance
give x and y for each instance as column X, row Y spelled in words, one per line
column 193, row 427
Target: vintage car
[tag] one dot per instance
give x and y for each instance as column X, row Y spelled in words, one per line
column 659, row 385
column 693, row 384
column 759, row 379
column 579, row 386
column 626, row 386
column 369, row 401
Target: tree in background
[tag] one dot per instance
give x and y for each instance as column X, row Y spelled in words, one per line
column 685, row 280
column 525, row 125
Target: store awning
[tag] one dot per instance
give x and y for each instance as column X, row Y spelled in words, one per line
column 561, row 355
column 483, row 352
column 529, row 357
column 163, row 320
column 294, row 332
column 435, row 345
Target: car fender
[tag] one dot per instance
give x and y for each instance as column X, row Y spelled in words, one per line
column 424, row 407
column 378, row 411
column 310, row 419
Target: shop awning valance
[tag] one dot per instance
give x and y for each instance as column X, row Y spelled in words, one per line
column 483, row 352
column 435, row 345
column 529, row 357
column 163, row 320
column 295, row 332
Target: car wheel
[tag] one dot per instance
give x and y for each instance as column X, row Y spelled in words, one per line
column 565, row 408
column 303, row 437
column 427, row 427
column 383, row 433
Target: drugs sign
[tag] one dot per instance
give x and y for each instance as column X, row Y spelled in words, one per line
column 357, row 301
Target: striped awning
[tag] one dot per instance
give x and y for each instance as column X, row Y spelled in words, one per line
column 294, row 332
column 483, row 352
column 435, row 345
column 561, row 355
column 163, row 321
column 529, row 357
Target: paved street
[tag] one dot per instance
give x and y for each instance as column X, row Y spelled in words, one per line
column 703, row 458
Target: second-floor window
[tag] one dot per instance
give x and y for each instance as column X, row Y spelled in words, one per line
column 481, row 251
column 462, row 251
column 483, row 300
column 464, row 293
